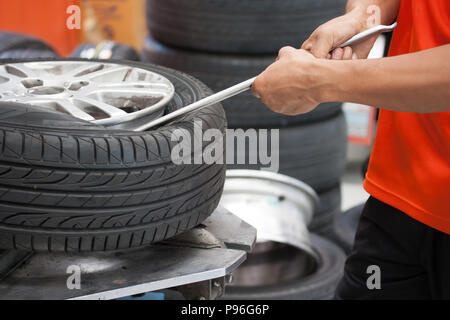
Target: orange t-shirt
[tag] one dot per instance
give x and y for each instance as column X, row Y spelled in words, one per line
column 410, row 164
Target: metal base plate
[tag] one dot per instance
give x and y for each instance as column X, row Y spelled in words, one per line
column 196, row 256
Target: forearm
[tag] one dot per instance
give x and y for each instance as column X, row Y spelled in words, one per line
column 418, row 82
column 360, row 9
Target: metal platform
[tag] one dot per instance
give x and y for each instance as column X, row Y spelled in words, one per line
column 195, row 262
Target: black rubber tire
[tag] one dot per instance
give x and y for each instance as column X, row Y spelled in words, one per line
column 326, row 212
column 27, row 54
column 320, row 285
column 68, row 185
column 222, row 71
column 119, row 51
column 313, row 153
column 345, row 226
column 238, row 26
column 19, row 46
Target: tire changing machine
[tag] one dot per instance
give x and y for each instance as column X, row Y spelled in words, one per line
column 196, row 264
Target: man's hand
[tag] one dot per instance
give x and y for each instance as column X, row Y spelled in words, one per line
column 298, row 81
column 335, row 32
column 361, row 15
column 288, row 86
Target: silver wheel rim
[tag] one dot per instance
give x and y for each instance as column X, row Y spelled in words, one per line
column 278, row 206
column 102, row 93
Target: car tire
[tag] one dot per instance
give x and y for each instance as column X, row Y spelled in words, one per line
column 313, row 153
column 239, row 26
column 19, row 46
column 326, row 212
column 106, row 50
column 320, row 285
column 68, row 185
column 345, row 227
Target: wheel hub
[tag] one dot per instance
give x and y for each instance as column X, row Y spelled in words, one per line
column 102, row 93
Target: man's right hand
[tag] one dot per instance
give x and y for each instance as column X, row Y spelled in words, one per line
column 335, row 32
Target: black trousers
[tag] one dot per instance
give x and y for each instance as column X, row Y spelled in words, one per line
column 396, row 257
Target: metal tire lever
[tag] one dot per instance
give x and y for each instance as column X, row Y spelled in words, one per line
column 246, row 85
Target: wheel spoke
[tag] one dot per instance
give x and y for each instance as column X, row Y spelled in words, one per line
column 12, row 85
column 73, row 110
column 84, row 69
column 106, row 108
column 20, row 71
column 133, row 92
column 151, row 89
column 107, row 74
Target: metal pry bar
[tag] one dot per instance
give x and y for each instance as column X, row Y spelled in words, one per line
column 246, row 85
column 208, row 101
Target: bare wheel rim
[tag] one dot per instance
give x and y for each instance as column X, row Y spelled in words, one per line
column 273, row 263
column 99, row 92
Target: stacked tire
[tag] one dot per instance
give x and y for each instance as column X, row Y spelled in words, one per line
column 106, row 50
column 19, row 46
column 224, row 42
column 345, row 227
column 275, row 271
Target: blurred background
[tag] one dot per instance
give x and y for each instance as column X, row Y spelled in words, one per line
column 122, row 21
